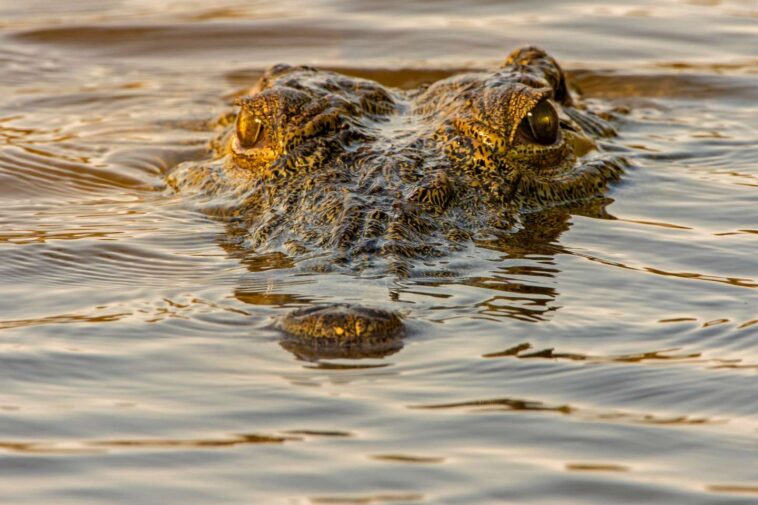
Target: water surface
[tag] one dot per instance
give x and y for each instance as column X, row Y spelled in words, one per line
column 608, row 359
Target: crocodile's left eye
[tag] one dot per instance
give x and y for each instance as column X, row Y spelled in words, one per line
column 249, row 129
column 543, row 122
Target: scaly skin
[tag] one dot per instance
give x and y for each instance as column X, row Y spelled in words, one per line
column 320, row 164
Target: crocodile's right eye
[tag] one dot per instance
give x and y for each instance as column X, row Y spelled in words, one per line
column 249, row 129
column 543, row 122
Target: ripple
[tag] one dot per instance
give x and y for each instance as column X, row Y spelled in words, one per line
column 596, row 467
column 35, row 172
column 726, row 488
column 615, row 84
column 320, row 433
column 368, row 499
column 592, row 415
column 662, row 355
column 24, row 66
column 97, row 446
column 144, row 40
column 246, row 439
column 638, row 358
column 63, row 319
column 406, row 458
column 97, row 262
column 741, row 282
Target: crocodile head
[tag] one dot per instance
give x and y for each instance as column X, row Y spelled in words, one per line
column 341, row 172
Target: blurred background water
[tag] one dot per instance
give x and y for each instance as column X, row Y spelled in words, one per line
column 606, row 361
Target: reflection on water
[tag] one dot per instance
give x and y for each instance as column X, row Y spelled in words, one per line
column 605, row 353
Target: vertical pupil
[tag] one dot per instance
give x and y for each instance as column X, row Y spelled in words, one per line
column 248, row 129
column 543, row 121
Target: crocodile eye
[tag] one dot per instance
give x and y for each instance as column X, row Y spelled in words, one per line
column 543, row 122
column 248, row 129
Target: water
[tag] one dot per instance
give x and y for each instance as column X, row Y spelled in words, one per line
column 600, row 361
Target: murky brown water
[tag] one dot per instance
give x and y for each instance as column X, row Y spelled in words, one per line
column 609, row 361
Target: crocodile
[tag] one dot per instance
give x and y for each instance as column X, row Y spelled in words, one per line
column 339, row 172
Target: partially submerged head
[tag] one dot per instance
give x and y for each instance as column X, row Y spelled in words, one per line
column 317, row 160
column 341, row 172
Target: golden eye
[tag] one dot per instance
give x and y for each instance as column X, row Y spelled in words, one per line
column 249, row 129
column 543, row 122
